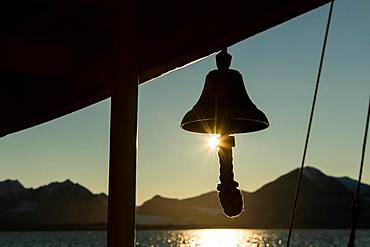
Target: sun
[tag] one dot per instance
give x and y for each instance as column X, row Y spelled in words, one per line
column 213, row 141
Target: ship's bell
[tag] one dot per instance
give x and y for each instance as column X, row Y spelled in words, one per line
column 224, row 106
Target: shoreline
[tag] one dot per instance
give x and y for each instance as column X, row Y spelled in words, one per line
column 103, row 227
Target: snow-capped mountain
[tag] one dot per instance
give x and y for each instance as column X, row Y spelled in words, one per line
column 57, row 203
column 10, row 187
column 324, row 203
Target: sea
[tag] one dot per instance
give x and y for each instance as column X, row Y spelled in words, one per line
column 188, row 238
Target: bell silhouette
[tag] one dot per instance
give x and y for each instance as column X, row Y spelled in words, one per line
column 224, row 106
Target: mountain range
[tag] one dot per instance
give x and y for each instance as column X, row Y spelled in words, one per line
column 56, row 205
column 324, row 203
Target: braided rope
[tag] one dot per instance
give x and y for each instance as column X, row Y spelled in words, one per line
column 229, row 195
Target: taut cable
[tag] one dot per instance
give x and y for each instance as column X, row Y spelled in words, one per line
column 299, row 182
column 356, row 204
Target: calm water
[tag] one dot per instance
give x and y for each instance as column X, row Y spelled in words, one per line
column 188, row 238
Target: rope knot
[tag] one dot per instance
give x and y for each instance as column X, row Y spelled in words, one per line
column 229, row 195
column 222, row 187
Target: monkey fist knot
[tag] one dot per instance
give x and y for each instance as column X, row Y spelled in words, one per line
column 230, row 198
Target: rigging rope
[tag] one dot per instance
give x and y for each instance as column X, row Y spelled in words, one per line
column 356, row 204
column 299, row 182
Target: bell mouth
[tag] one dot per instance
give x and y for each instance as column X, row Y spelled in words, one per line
column 234, row 126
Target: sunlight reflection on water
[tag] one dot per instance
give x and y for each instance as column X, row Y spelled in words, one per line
column 189, row 238
column 212, row 238
column 249, row 238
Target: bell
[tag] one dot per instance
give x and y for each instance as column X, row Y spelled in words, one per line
column 224, row 106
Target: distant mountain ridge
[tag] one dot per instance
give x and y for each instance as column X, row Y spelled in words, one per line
column 53, row 204
column 351, row 184
column 324, row 203
column 8, row 187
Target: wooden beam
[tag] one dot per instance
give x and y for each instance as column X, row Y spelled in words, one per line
column 123, row 133
column 122, row 166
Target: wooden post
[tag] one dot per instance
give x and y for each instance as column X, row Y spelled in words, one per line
column 123, row 132
column 122, row 167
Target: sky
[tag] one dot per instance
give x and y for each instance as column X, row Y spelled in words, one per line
column 279, row 67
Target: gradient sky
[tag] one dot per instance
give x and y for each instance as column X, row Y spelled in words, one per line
column 279, row 68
